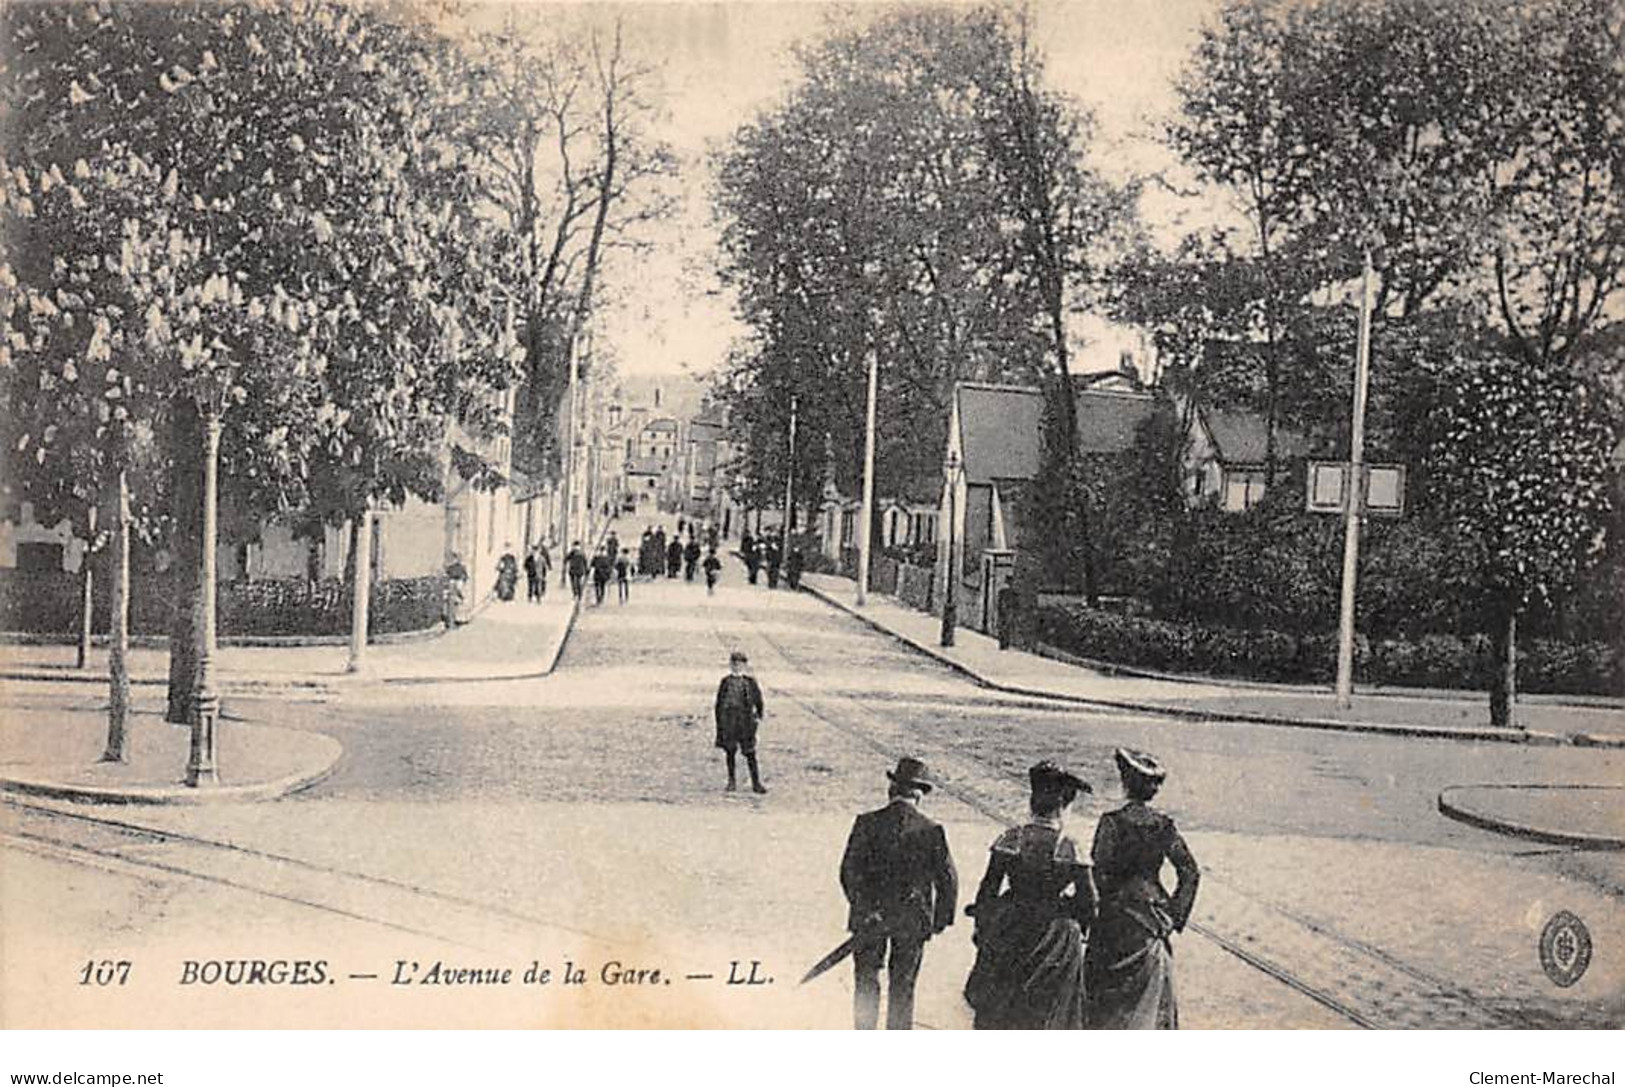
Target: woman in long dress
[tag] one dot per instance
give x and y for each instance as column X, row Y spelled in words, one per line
column 1129, row 965
column 1029, row 929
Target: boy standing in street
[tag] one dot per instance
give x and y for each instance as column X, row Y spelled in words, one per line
column 739, row 714
column 713, row 567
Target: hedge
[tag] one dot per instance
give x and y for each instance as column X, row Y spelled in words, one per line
column 49, row 603
column 1432, row 660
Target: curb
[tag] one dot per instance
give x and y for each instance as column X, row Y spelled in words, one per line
column 181, row 794
column 551, row 662
column 271, row 683
column 1112, row 668
column 1598, row 739
column 1532, row 737
column 1462, row 813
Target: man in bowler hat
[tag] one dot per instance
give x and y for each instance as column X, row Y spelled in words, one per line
column 900, row 881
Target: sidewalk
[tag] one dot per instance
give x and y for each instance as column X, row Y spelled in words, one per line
column 1462, row 717
column 1588, row 816
column 513, row 640
column 55, row 752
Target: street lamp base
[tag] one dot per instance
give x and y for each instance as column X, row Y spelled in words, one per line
column 950, row 620
column 200, row 767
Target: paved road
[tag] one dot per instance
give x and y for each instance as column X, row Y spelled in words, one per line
column 588, row 807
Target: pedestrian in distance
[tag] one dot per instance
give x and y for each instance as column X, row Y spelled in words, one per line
column 507, row 573
column 575, row 565
column 691, row 558
column 751, row 552
column 530, row 575
column 657, row 552
column 602, row 571
column 674, row 557
column 774, row 559
column 623, row 586
column 1128, row 967
column 456, row 589
column 900, row 884
column 713, row 568
column 739, row 716
column 793, row 563
column 544, row 567
column 646, row 553
column 1029, row 929
column 612, row 544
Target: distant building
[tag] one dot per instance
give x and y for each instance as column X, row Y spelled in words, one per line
column 1225, row 463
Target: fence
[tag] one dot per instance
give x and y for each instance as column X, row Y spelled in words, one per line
column 49, row 604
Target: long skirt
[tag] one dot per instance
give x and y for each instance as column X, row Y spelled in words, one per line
column 1028, row 974
column 1129, row 971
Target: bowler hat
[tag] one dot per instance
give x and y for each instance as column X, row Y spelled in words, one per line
column 1049, row 777
column 1140, row 764
column 913, row 773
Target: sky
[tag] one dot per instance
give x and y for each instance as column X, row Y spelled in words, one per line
column 723, row 63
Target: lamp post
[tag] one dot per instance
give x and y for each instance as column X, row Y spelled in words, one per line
column 950, row 592
column 200, row 764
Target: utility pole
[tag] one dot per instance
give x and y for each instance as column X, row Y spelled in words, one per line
column 866, row 523
column 1354, row 496
column 567, row 491
column 950, row 598
column 789, row 482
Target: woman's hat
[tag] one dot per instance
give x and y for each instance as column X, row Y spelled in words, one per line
column 1050, row 777
column 1130, row 761
column 913, row 773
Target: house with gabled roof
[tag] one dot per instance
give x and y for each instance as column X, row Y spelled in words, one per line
column 995, row 439
column 1225, row 460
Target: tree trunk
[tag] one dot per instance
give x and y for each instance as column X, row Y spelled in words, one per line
column 1504, row 669
column 360, row 587
column 87, row 599
column 118, row 668
column 186, row 628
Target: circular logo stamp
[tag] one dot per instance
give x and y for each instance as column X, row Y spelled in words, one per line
column 1565, row 949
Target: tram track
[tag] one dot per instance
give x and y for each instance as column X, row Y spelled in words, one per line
column 1337, row 971
column 149, row 852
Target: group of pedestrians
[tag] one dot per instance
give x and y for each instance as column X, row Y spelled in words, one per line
column 767, row 552
column 683, row 555
column 1064, row 939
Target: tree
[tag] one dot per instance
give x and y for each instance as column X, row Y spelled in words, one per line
column 215, row 260
column 566, row 152
column 1474, row 147
column 1523, row 458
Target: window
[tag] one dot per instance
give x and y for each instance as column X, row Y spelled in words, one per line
column 1243, row 489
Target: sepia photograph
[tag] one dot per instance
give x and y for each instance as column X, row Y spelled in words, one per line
column 812, row 516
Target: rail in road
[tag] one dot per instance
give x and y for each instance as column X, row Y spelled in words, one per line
column 1357, row 981
column 130, row 849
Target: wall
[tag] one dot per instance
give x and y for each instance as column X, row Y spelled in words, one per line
column 27, row 530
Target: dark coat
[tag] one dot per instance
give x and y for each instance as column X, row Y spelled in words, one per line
column 575, row 563
column 738, row 710
column 898, row 874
